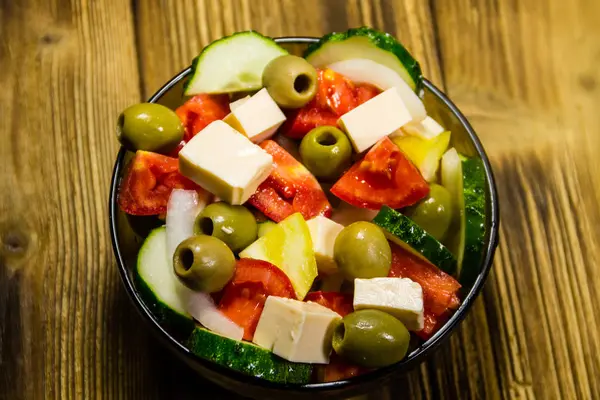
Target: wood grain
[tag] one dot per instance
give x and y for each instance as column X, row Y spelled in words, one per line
column 68, row 68
column 524, row 72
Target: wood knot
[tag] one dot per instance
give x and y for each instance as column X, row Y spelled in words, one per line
column 50, row 38
column 587, row 82
column 14, row 243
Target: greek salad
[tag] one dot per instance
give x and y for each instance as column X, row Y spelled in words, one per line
column 315, row 222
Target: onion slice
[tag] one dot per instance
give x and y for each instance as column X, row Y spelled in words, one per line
column 182, row 209
column 202, row 307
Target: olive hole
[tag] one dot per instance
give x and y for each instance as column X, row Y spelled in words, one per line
column 187, row 258
column 327, row 139
column 339, row 333
column 301, row 83
column 206, row 226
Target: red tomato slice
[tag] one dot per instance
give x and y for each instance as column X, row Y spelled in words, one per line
column 270, row 203
column 383, row 177
column 365, row 92
column 244, row 297
column 336, row 95
column 243, row 304
column 341, row 303
column 201, row 110
column 432, row 324
column 290, row 188
column 339, row 369
column 335, row 92
column 304, row 120
column 148, row 183
column 440, row 290
column 274, row 280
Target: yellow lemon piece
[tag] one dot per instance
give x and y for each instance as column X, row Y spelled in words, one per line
column 424, row 153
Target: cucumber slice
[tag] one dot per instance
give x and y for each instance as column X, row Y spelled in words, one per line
column 465, row 179
column 247, row 358
column 232, row 64
column 473, row 223
column 158, row 286
column 404, row 232
column 366, row 43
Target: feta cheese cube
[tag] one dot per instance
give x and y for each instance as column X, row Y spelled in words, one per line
column 400, row 297
column 225, row 163
column 323, row 232
column 257, row 117
column 426, row 129
column 383, row 115
column 295, row 330
column 235, row 104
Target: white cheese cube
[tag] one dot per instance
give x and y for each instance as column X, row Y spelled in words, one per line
column 381, row 116
column 426, row 129
column 235, row 104
column 323, row 232
column 295, row 330
column 225, row 162
column 400, row 297
column 258, row 117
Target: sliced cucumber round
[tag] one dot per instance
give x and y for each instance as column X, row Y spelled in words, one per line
column 406, row 233
column 159, row 288
column 232, row 64
column 367, row 43
column 247, row 358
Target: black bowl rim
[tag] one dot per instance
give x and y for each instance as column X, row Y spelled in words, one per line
column 414, row 358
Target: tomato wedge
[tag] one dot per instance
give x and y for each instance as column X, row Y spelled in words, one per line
column 335, row 92
column 431, row 324
column 383, row 177
column 302, row 121
column 336, row 95
column 290, row 188
column 440, row 290
column 365, row 92
column 341, row 303
column 148, row 183
column 201, row 110
column 243, row 298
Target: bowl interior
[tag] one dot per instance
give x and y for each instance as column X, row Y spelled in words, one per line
column 128, row 232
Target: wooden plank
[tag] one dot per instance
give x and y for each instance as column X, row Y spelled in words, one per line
column 66, row 327
column 525, row 74
column 170, row 34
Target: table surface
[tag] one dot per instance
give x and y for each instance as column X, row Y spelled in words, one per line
column 524, row 72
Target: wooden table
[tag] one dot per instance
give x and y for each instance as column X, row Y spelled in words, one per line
column 524, row 71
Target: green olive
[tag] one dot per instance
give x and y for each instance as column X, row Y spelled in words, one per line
column 150, row 127
column 362, row 251
column 434, row 213
column 371, row 338
column 326, row 152
column 204, row 263
column 290, row 80
column 234, row 225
